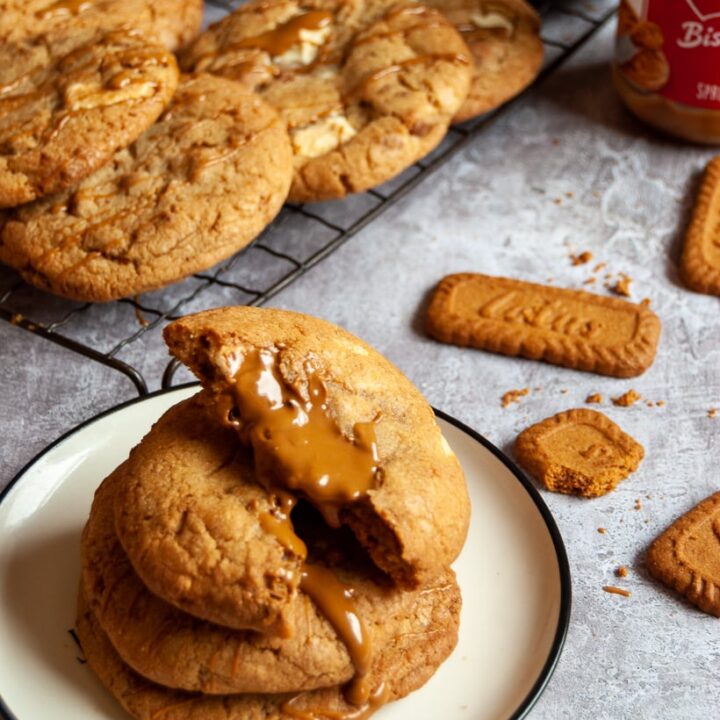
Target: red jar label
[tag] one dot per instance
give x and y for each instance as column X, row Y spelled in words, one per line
column 672, row 47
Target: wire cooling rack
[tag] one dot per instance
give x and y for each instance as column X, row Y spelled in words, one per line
column 117, row 334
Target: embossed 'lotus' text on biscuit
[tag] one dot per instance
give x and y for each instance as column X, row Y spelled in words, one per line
column 565, row 327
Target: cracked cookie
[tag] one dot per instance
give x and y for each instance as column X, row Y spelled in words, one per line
column 196, row 187
column 504, row 39
column 68, row 102
column 365, row 87
column 333, row 422
column 172, row 22
column 175, row 649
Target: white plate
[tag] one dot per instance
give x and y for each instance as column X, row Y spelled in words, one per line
column 513, row 573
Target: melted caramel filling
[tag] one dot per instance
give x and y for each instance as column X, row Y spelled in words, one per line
column 297, row 445
column 283, row 37
column 375, row 701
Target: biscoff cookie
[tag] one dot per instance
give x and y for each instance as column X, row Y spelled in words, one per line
column 700, row 263
column 193, row 520
column 366, row 87
column 173, row 22
column 198, row 186
column 686, row 556
column 571, row 328
column 578, row 452
column 174, row 649
column 504, row 38
column 68, row 102
column 406, row 663
column 337, row 424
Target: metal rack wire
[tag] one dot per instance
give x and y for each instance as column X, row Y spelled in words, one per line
column 299, row 238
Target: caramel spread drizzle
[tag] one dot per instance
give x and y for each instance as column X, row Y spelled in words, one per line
column 362, row 87
column 297, row 445
column 375, row 701
column 285, row 36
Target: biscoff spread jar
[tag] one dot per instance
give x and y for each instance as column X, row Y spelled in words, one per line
column 667, row 65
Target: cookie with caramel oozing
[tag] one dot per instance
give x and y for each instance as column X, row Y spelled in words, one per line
column 504, row 39
column 367, row 87
column 197, row 186
column 333, row 422
column 177, row 650
column 404, row 664
column 68, row 102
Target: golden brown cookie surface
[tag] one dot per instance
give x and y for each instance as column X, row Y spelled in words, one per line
column 188, row 513
column 196, row 187
column 172, row 22
column 366, row 88
column 174, row 649
column 700, row 264
column 578, row 452
column 687, row 555
column 402, row 666
column 564, row 327
column 67, row 103
column 413, row 515
column 504, row 38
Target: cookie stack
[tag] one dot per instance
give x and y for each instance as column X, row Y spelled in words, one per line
column 118, row 176
column 278, row 546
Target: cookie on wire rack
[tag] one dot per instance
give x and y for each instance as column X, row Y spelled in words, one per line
column 198, row 186
column 366, row 87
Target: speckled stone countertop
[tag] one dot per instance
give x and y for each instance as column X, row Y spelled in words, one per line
column 567, row 170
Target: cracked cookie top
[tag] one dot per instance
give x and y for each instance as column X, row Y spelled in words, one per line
column 172, row 22
column 366, row 88
column 68, row 102
column 199, row 185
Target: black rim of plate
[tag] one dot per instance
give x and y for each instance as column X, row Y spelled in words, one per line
column 560, row 552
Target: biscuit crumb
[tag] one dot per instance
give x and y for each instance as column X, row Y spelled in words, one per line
column 556, row 141
column 645, row 302
column 557, row 201
column 638, row 504
column 594, row 399
column 602, row 530
column 564, row 391
column 589, row 281
column 600, row 266
column 712, row 413
column 622, row 571
column 513, row 396
column 660, row 403
column 16, row 319
column 622, row 286
column 581, row 258
column 616, row 590
column 626, row 399
column 569, row 194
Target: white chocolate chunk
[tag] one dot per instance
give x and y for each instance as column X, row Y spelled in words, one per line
column 83, row 96
column 321, row 137
column 492, row 20
column 304, row 52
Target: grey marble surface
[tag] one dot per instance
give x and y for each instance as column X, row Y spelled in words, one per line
column 567, row 170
